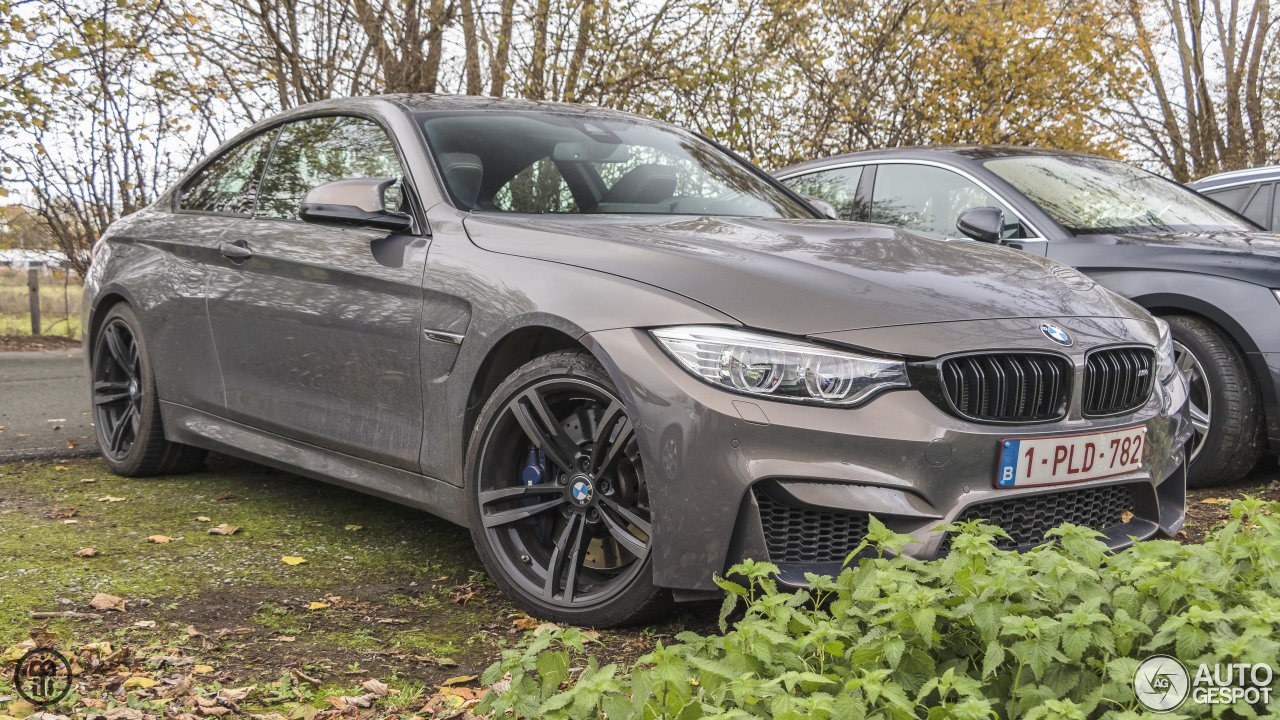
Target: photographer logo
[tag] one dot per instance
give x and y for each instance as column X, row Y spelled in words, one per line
column 42, row 676
column 1161, row 683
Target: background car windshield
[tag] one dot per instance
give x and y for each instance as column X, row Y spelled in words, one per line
column 546, row 162
column 1093, row 196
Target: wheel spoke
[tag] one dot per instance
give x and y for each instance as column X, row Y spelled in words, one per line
column 633, row 544
column 630, row 515
column 1199, row 419
column 109, row 392
column 565, row 559
column 1185, row 362
column 118, row 351
column 116, row 442
column 615, row 448
column 492, row 496
column 506, row 517
column 600, row 445
column 538, row 422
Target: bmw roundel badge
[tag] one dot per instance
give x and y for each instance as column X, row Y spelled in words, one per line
column 1056, row 334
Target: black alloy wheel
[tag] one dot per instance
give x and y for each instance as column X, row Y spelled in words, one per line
column 560, row 505
column 126, row 409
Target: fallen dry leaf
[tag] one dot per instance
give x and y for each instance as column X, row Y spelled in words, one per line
column 62, row 513
column 224, row 529
column 159, row 539
column 110, row 498
column 61, row 468
column 88, row 480
column 523, row 622
column 72, row 442
column 460, row 680
column 354, row 528
column 202, row 518
column 202, row 669
column 284, row 638
column 292, row 560
column 1126, row 516
column 72, row 521
column 315, row 604
column 103, row 601
column 145, row 624
column 377, row 687
column 347, row 701
column 224, row 496
column 138, row 681
column 87, row 552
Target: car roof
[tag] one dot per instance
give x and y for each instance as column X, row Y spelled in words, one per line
column 1237, row 177
column 428, row 102
column 938, row 153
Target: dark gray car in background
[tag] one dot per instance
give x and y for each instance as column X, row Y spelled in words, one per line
column 1212, row 274
column 1251, row 193
column 620, row 355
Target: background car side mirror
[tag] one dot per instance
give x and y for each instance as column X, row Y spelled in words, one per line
column 985, row 224
column 354, row 203
column 824, row 208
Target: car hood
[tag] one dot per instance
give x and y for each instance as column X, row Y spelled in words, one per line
column 1249, row 256
column 807, row 276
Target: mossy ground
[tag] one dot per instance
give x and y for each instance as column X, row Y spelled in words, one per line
column 407, row 600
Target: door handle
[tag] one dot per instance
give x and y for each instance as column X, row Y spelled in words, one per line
column 235, row 251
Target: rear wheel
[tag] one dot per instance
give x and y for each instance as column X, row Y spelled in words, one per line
column 559, row 504
column 1226, row 411
column 126, row 411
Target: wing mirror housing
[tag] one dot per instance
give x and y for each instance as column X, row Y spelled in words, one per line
column 824, row 208
column 354, row 203
column 984, row 224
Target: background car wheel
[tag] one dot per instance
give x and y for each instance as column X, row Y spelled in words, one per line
column 126, row 411
column 1225, row 408
column 558, row 499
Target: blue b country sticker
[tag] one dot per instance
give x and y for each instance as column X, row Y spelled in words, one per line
column 1008, row 463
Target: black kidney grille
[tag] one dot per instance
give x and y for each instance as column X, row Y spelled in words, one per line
column 1028, row 518
column 1118, row 380
column 1007, row 387
column 805, row 535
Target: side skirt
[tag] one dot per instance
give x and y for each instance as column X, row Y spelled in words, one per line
column 194, row 427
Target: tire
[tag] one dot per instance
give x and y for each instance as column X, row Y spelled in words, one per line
column 126, row 408
column 1225, row 405
column 557, row 499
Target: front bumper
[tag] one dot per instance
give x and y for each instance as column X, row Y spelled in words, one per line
column 711, row 455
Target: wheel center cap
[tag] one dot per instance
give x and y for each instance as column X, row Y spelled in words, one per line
column 133, row 389
column 581, row 491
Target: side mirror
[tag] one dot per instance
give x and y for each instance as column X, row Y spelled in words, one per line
column 824, row 208
column 354, row 203
column 985, row 224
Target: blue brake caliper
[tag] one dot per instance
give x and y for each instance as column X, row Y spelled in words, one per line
column 533, row 473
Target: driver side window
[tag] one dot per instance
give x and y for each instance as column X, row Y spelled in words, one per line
column 316, row 151
column 930, row 199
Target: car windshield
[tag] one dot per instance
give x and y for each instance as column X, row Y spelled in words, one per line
column 570, row 163
column 1095, row 196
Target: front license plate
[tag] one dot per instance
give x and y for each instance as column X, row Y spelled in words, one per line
column 1070, row 458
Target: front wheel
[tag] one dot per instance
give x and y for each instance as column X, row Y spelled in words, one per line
column 126, row 410
column 1226, row 411
column 558, row 499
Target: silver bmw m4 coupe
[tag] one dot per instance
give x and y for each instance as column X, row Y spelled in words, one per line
column 621, row 355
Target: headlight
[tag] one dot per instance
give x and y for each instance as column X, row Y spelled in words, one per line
column 779, row 368
column 1165, row 365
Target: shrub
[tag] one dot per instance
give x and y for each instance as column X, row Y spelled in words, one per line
column 1056, row 632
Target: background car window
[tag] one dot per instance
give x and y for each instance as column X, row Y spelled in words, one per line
column 1259, row 208
column 1231, row 197
column 539, row 188
column 229, row 184
column 930, row 199
column 1275, row 217
column 838, row 186
column 316, row 151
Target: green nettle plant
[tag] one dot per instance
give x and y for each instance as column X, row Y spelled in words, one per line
column 1056, row 632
